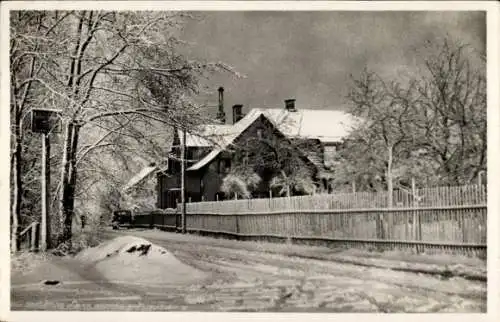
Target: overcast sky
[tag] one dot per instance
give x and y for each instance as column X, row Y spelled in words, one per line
column 310, row 55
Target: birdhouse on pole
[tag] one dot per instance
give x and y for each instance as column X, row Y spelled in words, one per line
column 45, row 121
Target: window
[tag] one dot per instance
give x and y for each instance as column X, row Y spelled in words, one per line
column 330, row 152
column 259, row 133
column 173, row 166
column 220, row 166
column 192, row 154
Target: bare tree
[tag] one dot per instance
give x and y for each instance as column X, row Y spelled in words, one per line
column 106, row 71
column 24, row 66
column 451, row 111
column 432, row 128
column 386, row 114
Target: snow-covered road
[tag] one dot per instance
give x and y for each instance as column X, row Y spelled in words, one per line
column 249, row 279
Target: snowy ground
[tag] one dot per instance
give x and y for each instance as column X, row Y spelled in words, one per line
column 204, row 274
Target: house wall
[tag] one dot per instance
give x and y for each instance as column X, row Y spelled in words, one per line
column 313, row 149
column 212, row 180
column 172, row 178
column 168, row 182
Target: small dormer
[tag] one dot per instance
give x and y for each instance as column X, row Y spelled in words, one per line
column 237, row 113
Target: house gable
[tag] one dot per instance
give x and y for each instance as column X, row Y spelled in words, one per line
column 214, row 171
column 247, row 128
column 318, row 133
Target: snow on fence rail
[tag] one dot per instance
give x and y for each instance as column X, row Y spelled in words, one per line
column 426, row 197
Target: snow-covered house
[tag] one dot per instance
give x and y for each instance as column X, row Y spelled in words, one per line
column 317, row 133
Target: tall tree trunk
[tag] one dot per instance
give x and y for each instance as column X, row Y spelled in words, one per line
column 45, row 234
column 17, row 182
column 64, row 192
column 68, row 178
column 67, row 192
column 17, row 189
column 71, row 186
column 19, row 107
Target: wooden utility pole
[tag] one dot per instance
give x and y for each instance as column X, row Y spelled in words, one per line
column 45, row 121
column 183, row 181
column 45, row 181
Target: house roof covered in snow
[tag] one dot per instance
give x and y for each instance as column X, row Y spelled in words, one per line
column 139, row 177
column 227, row 138
column 328, row 126
column 205, row 135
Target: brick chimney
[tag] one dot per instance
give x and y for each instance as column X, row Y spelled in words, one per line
column 290, row 105
column 237, row 113
column 221, row 116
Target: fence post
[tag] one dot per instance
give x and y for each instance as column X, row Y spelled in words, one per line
column 479, row 178
column 464, row 229
column 414, row 213
column 416, row 216
column 379, row 226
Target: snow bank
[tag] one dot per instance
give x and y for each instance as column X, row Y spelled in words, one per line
column 134, row 259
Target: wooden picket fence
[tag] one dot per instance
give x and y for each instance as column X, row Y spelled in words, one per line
column 442, row 218
column 426, row 197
